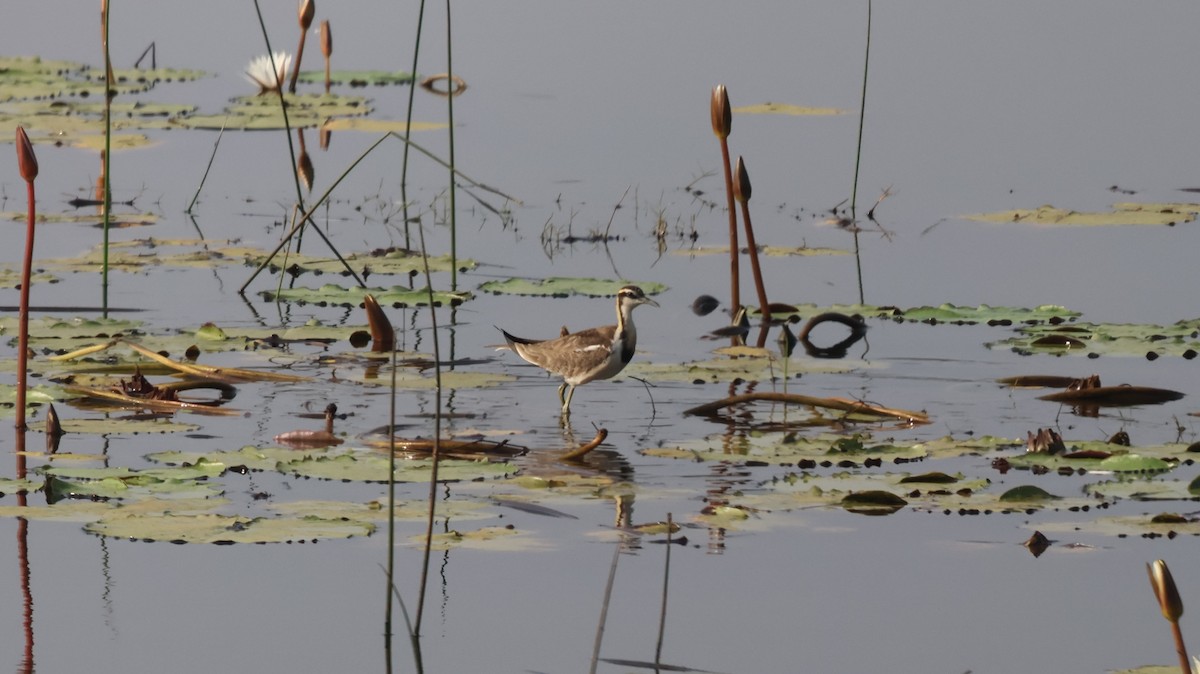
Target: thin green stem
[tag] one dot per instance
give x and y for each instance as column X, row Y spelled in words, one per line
column 107, row 160
column 208, row 168
column 308, row 216
column 862, row 114
column 408, row 116
column 450, row 114
column 287, row 127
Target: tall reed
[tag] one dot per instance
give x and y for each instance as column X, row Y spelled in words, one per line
column 862, row 114
column 109, row 92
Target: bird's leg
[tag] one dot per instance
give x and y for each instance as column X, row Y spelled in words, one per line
column 567, row 403
column 561, row 390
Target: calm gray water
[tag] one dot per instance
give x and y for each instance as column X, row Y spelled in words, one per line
column 573, row 108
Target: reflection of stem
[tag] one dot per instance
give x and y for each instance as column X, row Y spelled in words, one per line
column 662, row 616
column 26, row 591
column 437, row 436
column 612, row 575
column 450, row 119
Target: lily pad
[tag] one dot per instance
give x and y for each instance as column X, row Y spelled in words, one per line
column 784, row 448
column 769, row 251
column 394, row 261
column 566, row 287
column 334, row 295
column 357, row 78
column 487, row 538
column 1122, row 214
column 264, row 112
column 1126, row 339
column 226, row 529
column 770, row 108
column 373, row 467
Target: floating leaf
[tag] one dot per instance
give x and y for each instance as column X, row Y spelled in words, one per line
column 565, row 287
column 264, row 112
column 785, row 448
column 372, row 467
column 1026, row 493
column 334, row 295
column 1178, row 339
column 369, row 125
column 225, row 529
column 356, row 78
column 786, row 109
column 395, row 261
column 770, row 251
column 1122, row 214
column 487, row 538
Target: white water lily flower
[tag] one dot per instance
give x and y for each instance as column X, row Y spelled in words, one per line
column 268, row 78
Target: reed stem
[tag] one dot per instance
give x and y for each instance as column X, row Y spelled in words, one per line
column 453, row 220
column 109, row 92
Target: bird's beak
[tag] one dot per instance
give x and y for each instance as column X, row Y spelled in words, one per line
column 649, row 301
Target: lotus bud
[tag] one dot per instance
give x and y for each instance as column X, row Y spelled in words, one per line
column 722, row 117
column 1165, row 591
column 326, row 39
column 26, row 159
column 308, row 8
column 741, row 183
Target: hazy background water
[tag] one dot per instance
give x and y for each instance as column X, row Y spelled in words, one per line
column 971, row 108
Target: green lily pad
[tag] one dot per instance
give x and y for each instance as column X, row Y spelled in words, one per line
column 1147, row 525
column 1124, row 339
column 373, row 467
column 1026, row 493
column 769, row 251
column 786, row 109
column 456, row 509
column 225, row 529
column 127, row 426
column 1122, row 214
column 945, row 313
column 356, row 78
column 264, row 112
column 252, row 458
column 723, row 369
column 487, row 538
column 566, row 287
column 392, row 262
column 334, row 295
column 1144, row 490
column 376, row 126
column 783, row 448
column 11, row 278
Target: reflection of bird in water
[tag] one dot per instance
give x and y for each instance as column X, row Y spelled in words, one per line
column 588, row 355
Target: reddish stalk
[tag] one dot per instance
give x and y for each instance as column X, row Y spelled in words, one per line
column 27, row 162
column 722, row 123
column 307, row 9
column 741, row 190
column 326, row 50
